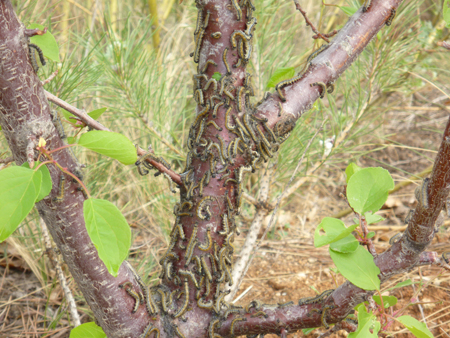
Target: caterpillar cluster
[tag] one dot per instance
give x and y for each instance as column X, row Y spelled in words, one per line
column 144, row 167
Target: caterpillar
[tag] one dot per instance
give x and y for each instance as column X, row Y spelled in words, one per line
column 316, row 52
column 205, row 67
column 222, row 147
column 206, row 247
column 186, row 300
column 227, row 66
column 58, row 125
column 250, row 26
column 253, row 304
column 244, row 36
column 206, row 269
column 177, row 331
column 322, row 86
column 205, row 305
column 214, row 124
column 285, row 304
column 445, row 257
column 227, row 93
column 285, row 83
column 199, row 291
column 225, row 225
column 213, row 263
column 201, row 129
column 317, row 299
column 198, row 96
column 216, row 108
column 228, row 172
column 366, row 5
column 216, row 321
column 227, row 120
column 330, row 88
column 240, row 92
column 191, row 243
column 240, row 172
column 238, row 319
column 61, row 188
column 259, row 314
column 147, row 333
column 41, row 55
column 248, row 126
column 144, row 288
column 163, row 300
column 229, row 312
column 216, row 35
column 199, row 20
column 198, row 43
column 33, row 60
column 168, row 270
column 201, row 114
column 198, row 78
column 239, row 16
column 214, row 82
column 200, row 208
column 324, row 313
column 230, row 151
column 219, row 300
column 215, row 145
column 188, row 203
column 281, row 109
column 83, row 192
column 391, row 17
column 166, row 175
column 199, row 266
column 189, row 274
column 200, row 189
column 421, row 193
column 394, row 239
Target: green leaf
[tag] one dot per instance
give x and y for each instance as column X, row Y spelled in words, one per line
column 111, row 144
column 346, row 244
column 402, row 284
column 334, row 230
column 351, row 169
column 358, row 267
column 46, row 42
column 446, row 13
column 46, row 184
column 371, row 234
column 19, row 189
column 366, row 322
column 308, row 331
column 368, row 189
column 348, row 10
column 280, row 74
column 372, row 218
column 417, row 328
column 217, row 76
column 109, row 231
column 388, row 301
column 95, row 114
column 87, row 330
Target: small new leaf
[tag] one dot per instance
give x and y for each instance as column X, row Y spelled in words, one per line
column 368, row 326
column 368, row 189
column 95, row 114
column 388, row 301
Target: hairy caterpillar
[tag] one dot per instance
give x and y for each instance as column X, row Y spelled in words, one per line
column 238, row 319
column 205, row 67
column 216, row 35
column 186, row 300
column 227, row 66
column 317, row 299
column 322, row 86
column 206, row 247
column 391, row 17
column 61, row 189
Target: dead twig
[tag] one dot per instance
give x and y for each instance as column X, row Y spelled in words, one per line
column 310, row 24
column 62, row 279
column 51, row 77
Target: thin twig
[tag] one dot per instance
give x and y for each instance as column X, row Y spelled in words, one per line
column 280, row 198
column 6, row 160
column 62, row 279
column 90, row 122
column 309, row 23
column 51, row 77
